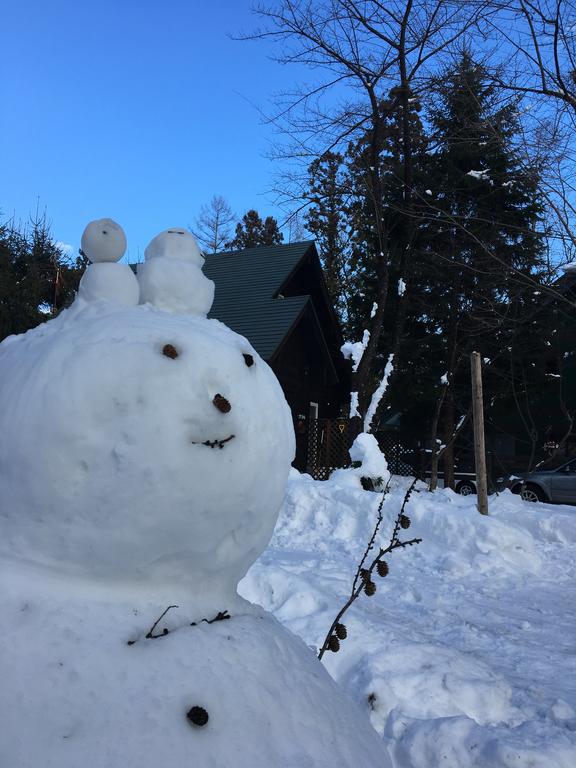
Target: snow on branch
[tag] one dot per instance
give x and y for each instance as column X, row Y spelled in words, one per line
column 480, row 175
column 378, row 394
column 354, row 350
column 354, row 405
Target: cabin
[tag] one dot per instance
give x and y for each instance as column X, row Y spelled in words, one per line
column 277, row 298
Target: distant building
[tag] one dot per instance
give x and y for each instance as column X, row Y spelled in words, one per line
column 276, row 297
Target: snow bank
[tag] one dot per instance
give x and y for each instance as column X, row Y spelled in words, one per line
column 459, row 541
column 424, row 681
column 465, row 656
column 460, row 743
column 324, row 515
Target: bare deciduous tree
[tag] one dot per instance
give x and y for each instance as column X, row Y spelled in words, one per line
column 537, row 43
column 363, row 50
column 213, row 227
column 541, row 50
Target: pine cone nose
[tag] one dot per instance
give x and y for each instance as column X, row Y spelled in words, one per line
column 222, row 404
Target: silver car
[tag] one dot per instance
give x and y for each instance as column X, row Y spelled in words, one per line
column 555, row 484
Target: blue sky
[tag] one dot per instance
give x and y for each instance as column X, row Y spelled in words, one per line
column 140, row 111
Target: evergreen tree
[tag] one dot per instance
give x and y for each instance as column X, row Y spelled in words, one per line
column 482, row 241
column 36, row 278
column 398, row 222
column 326, row 220
column 473, row 228
column 252, row 231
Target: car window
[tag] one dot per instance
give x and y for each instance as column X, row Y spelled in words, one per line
column 569, row 467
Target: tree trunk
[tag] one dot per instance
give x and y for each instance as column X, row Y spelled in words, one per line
column 434, row 442
column 449, row 427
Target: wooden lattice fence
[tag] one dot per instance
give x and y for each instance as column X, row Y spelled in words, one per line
column 328, row 442
column 327, row 447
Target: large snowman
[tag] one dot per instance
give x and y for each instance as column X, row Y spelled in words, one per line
column 143, row 459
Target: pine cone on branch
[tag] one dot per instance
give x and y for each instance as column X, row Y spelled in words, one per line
column 334, row 644
column 370, row 588
column 382, row 568
column 341, row 631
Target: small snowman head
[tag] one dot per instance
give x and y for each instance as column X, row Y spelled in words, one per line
column 174, row 243
column 103, row 240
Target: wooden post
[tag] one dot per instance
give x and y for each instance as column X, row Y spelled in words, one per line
column 479, row 446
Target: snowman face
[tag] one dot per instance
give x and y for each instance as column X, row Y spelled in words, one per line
column 103, row 240
column 174, row 243
column 164, row 453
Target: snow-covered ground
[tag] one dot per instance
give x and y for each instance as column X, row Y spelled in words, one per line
column 466, row 655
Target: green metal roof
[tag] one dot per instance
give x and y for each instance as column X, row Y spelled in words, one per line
column 246, row 296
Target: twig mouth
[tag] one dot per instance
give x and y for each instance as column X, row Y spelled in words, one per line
column 214, row 443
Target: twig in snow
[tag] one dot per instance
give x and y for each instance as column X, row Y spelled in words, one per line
column 150, row 634
column 220, row 616
column 214, row 443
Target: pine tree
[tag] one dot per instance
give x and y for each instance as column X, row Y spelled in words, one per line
column 36, row 278
column 368, row 268
column 252, row 232
column 343, row 220
column 326, row 220
column 482, row 237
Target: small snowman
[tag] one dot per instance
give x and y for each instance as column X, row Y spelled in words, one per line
column 143, row 462
column 171, row 276
column 104, row 243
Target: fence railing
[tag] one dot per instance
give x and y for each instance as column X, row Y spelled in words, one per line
column 328, row 442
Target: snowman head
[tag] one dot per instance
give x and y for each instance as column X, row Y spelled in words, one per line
column 174, row 243
column 103, row 240
column 163, row 455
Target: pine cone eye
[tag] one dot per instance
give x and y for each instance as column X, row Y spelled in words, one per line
column 248, row 359
column 197, row 716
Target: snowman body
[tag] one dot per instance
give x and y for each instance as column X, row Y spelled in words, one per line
column 143, row 462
